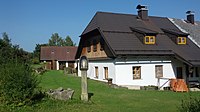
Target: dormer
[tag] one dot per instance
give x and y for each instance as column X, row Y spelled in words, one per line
column 146, row 36
column 176, row 36
column 149, row 39
column 181, row 40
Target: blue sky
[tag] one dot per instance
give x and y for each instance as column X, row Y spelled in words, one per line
column 31, row 22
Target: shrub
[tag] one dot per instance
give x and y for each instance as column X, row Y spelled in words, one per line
column 67, row 70
column 17, row 83
column 190, row 105
column 35, row 61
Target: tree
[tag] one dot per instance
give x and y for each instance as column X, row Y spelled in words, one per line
column 69, row 42
column 55, row 40
column 36, row 53
column 17, row 83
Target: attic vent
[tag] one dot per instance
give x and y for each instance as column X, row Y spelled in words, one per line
column 142, row 12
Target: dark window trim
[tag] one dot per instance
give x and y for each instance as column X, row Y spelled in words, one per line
column 138, row 68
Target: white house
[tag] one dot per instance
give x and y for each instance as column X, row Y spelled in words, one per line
column 137, row 50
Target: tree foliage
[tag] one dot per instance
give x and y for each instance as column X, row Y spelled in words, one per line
column 36, row 53
column 17, row 83
column 56, row 40
column 69, row 42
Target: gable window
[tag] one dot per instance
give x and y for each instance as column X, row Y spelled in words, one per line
column 181, row 40
column 136, row 72
column 101, row 44
column 159, row 71
column 106, row 72
column 88, row 47
column 94, row 45
column 149, row 39
column 96, row 72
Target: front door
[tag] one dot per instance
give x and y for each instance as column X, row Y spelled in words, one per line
column 179, row 72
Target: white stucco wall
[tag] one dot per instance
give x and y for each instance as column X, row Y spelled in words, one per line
column 57, row 65
column 100, row 64
column 124, row 71
column 66, row 64
column 122, row 74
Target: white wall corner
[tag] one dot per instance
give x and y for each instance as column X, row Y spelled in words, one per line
column 57, row 65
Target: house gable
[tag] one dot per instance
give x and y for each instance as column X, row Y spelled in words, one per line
column 94, row 46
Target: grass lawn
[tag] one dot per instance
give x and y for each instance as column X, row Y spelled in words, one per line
column 104, row 98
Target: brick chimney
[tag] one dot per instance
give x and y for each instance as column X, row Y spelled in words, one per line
column 142, row 12
column 190, row 17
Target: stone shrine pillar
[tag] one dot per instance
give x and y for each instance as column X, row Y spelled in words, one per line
column 83, row 62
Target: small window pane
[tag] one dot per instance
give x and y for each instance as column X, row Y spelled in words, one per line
column 101, row 44
column 94, row 45
column 88, row 47
column 96, row 72
column 149, row 39
column 136, row 72
column 159, row 71
column 181, row 40
column 106, row 72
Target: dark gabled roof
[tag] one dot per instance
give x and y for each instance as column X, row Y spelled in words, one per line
column 175, row 32
column 143, row 30
column 118, row 32
column 60, row 53
column 118, row 22
column 192, row 29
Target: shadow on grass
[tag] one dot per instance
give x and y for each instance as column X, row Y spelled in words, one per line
column 38, row 97
column 90, row 95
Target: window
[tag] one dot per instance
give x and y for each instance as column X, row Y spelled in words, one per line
column 197, row 72
column 88, row 47
column 101, row 44
column 52, row 52
column 96, row 72
column 136, row 72
column 94, row 45
column 179, row 72
column 106, row 72
column 181, row 40
column 149, row 39
column 159, row 71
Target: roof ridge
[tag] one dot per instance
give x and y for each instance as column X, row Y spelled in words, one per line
column 117, row 13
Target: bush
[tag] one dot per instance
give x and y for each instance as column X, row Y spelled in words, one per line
column 190, row 105
column 35, row 60
column 67, row 70
column 17, row 83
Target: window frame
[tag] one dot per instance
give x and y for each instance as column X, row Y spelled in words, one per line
column 157, row 69
column 136, row 70
column 149, row 38
column 106, row 72
column 88, row 47
column 181, row 40
column 96, row 71
column 101, row 44
column 94, row 45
